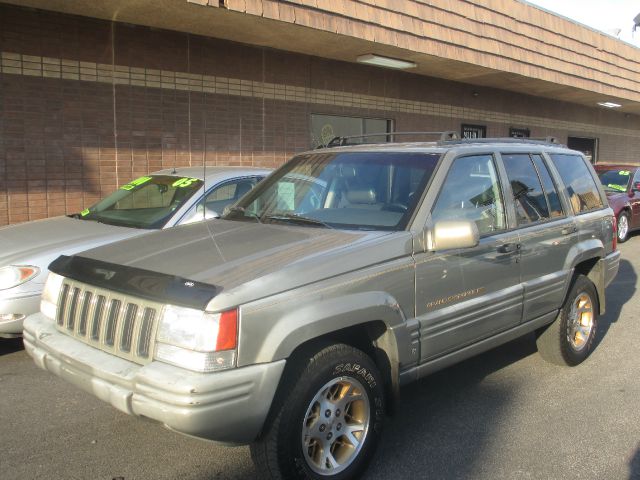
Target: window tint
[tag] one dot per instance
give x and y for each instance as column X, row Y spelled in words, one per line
column 555, row 207
column 528, row 197
column 472, row 192
column 581, row 187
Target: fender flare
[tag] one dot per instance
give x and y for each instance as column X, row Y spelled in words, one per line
column 589, row 250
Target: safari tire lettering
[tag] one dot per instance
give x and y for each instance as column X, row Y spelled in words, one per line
column 357, row 370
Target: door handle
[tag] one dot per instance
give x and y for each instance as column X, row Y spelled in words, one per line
column 509, row 248
column 569, row 230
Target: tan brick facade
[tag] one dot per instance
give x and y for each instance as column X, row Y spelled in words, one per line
column 85, row 105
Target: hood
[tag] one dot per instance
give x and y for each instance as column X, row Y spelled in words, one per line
column 41, row 241
column 228, row 254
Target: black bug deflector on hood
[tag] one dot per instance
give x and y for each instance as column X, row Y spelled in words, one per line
column 159, row 287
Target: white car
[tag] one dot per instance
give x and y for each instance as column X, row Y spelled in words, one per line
column 160, row 200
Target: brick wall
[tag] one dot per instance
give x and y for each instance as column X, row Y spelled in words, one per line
column 85, row 105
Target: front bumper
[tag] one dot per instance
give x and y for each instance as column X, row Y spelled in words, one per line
column 21, row 307
column 228, row 406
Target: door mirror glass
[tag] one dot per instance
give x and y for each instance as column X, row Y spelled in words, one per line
column 449, row 234
column 636, row 186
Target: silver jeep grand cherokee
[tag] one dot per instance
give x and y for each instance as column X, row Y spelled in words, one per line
column 292, row 323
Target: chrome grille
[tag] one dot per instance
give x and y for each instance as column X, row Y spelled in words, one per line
column 113, row 322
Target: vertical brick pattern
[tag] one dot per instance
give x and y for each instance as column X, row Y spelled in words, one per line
column 69, row 137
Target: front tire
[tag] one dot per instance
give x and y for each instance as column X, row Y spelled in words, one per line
column 327, row 420
column 623, row 227
column 569, row 339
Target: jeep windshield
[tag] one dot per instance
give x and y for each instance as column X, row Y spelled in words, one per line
column 345, row 190
column 615, row 180
column 147, row 202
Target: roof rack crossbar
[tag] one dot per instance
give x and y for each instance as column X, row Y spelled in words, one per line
column 342, row 141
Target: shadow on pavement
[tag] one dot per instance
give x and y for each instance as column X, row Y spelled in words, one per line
column 618, row 293
column 634, row 466
column 10, row 345
column 462, row 415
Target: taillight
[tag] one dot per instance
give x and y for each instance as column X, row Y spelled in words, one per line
column 615, row 233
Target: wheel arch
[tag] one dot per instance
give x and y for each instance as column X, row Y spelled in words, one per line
column 594, row 268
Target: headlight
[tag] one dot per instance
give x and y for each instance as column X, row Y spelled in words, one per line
column 197, row 340
column 15, row 275
column 50, row 294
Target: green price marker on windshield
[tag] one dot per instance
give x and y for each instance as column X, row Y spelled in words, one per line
column 183, row 182
column 135, row 183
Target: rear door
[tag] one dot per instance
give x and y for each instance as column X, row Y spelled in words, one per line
column 546, row 232
column 464, row 295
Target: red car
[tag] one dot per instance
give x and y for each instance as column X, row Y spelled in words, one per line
column 622, row 186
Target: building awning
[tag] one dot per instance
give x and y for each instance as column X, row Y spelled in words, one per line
column 506, row 44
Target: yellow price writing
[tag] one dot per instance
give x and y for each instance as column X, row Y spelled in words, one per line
column 183, row 182
column 135, row 183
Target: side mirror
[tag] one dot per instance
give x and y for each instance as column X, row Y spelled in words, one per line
column 450, row 234
column 197, row 215
column 636, row 187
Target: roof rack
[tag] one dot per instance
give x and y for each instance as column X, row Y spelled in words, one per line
column 448, row 137
column 342, row 141
column 536, row 140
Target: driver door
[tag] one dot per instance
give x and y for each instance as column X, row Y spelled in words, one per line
column 464, row 295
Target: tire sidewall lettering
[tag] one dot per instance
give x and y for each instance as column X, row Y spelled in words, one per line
column 356, row 370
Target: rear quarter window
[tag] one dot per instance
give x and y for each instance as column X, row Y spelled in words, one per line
column 582, row 190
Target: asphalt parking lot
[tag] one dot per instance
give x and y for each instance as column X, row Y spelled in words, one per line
column 503, row 415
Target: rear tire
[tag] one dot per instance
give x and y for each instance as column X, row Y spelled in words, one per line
column 327, row 419
column 623, row 227
column 569, row 339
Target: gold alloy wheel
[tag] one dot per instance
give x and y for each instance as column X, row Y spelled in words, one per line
column 580, row 321
column 335, row 425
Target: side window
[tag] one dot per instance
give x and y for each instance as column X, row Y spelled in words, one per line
column 228, row 193
column 550, row 189
column 471, row 191
column 636, row 179
column 218, row 198
column 581, row 187
column 528, row 198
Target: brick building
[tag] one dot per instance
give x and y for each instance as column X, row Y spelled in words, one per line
column 95, row 93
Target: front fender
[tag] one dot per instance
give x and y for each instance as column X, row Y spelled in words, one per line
column 294, row 323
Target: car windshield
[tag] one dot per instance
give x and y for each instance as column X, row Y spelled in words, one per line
column 616, row 180
column 147, row 202
column 349, row 190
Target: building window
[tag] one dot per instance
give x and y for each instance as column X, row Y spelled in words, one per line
column 324, row 128
column 519, row 132
column 588, row 146
column 473, row 131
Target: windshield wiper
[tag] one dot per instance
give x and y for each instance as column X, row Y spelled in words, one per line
column 236, row 209
column 294, row 218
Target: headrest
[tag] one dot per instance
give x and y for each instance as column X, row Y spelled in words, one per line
column 365, row 197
